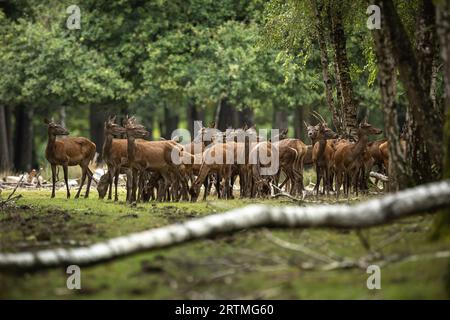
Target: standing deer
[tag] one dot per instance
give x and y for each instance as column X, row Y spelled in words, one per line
column 321, row 156
column 113, row 152
column 71, row 151
column 155, row 156
column 349, row 156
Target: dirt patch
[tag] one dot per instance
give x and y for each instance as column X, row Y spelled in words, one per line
column 31, row 229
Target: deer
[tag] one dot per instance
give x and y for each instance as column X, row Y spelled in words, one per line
column 113, row 152
column 348, row 157
column 71, row 151
column 150, row 155
column 322, row 154
column 217, row 151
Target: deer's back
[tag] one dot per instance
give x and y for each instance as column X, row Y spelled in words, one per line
column 154, row 154
column 71, row 151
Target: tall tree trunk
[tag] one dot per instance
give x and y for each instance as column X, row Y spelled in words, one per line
column 338, row 40
column 194, row 114
column 62, row 116
column 299, row 118
column 23, row 155
column 9, row 132
column 423, row 145
column 426, row 47
column 5, row 163
column 147, row 122
column 171, row 120
column 245, row 117
column 325, row 63
column 442, row 221
column 225, row 115
column 97, row 118
column 280, row 119
column 387, row 77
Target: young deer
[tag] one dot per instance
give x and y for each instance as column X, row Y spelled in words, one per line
column 113, row 152
column 321, row 156
column 151, row 155
column 71, row 151
column 348, row 157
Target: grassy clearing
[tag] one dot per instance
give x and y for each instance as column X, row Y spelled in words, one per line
column 243, row 265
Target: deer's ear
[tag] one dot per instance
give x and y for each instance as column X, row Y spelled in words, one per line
column 46, row 121
column 212, row 124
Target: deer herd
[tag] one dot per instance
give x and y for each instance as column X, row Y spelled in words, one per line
column 167, row 170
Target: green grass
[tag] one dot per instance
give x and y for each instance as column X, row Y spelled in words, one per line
column 242, row 265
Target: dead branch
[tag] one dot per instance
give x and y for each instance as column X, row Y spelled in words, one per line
column 379, row 176
column 297, row 247
column 10, row 196
column 374, row 212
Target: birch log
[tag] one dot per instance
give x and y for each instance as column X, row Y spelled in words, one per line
column 374, row 212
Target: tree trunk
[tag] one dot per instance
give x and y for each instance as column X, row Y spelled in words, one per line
column 23, row 155
column 62, row 116
column 194, row 114
column 422, row 146
column 426, row 47
column 442, row 221
column 280, row 120
column 325, row 62
column 338, row 40
column 171, row 120
column 299, row 118
column 245, row 117
column 387, row 77
column 5, row 163
column 225, row 115
column 9, row 132
column 97, row 118
column 147, row 122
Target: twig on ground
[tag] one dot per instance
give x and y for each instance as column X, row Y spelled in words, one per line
column 297, row 247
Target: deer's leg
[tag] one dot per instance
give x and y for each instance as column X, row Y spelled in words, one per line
column 318, row 177
column 116, row 182
column 111, row 174
column 134, row 184
column 326, row 181
column 338, row 183
column 206, row 187
column 83, row 179
column 53, row 179
column 66, row 179
column 90, row 177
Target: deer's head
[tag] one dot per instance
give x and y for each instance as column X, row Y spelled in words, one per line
column 112, row 128
column 102, row 186
column 325, row 132
column 368, row 129
column 312, row 131
column 55, row 129
column 135, row 130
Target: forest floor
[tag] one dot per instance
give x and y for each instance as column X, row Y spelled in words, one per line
column 254, row 264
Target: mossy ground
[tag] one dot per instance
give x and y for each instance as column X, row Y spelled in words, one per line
column 243, row 265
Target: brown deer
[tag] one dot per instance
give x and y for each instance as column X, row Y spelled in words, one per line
column 113, row 152
column 214, row 161
column 322, row 154
column 71, row 151
column 349, row 156
column 150, row 155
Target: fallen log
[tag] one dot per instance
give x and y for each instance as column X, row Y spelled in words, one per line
column 379, row 176
column 374, row 212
